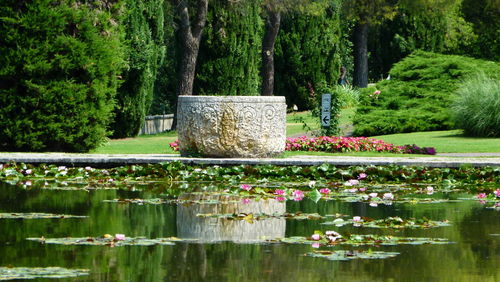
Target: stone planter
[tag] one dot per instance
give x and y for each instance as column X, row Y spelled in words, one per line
column 231, row 126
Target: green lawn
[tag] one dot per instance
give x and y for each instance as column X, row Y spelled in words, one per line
column 444, row 141
column 450, row 141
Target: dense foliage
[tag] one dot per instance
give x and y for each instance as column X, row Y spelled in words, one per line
column 418, row 95
column 229, row 58
column 476, row 108
column 143, row 25
column 60, row 62
column 308, row 53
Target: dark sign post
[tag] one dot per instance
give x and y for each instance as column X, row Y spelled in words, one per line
column 326, row 101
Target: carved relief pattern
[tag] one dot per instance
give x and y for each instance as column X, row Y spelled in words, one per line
column 231, row 127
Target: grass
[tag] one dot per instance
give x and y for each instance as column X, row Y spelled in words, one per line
column 450, row 141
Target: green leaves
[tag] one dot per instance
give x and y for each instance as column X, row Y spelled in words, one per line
column 351, row 254
column 10, row 273
column 37, row 216
column 107, row 241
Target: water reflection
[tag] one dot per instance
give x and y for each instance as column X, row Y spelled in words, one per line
column 214, row 229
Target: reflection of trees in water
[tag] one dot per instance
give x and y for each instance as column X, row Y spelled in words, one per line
column 212, row 229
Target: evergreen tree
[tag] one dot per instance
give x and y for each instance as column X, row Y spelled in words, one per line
column 59, row 67
column 229, row 57
column 144, row 24
column 308, row 52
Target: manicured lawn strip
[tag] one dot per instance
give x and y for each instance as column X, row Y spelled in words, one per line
column 152, row 144
column 450, row 141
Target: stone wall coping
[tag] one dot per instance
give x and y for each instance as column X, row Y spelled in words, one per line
column 235, row 99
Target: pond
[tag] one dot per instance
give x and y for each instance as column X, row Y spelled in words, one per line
column 216, row 235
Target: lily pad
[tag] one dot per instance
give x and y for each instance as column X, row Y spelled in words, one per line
column 34, row 215
column 10, row 273
column 154, row 201
column 390, row 222
column 261, row 216
column 350, row 255
column 107, row 241
column 359, row 240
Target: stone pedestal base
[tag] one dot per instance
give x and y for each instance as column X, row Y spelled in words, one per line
column 231, row 126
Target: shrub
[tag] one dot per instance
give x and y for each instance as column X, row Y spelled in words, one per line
column 418, row 95
column 58, row 77
column 145, row 50
column 477, row 106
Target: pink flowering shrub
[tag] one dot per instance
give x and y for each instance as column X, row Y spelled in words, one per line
column 334, row 144
column 339, row 144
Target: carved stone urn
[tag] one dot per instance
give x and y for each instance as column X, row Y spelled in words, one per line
column 231, row 126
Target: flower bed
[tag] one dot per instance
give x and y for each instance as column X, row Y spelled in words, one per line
column 334, row 144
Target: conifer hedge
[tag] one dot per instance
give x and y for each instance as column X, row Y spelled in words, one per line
column 308, row 53
column 60, row 62
column 229, row 57
column 145, row 50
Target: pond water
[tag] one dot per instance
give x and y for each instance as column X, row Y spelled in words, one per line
column 227, row 249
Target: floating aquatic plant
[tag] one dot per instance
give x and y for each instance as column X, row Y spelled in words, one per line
column 108, row 240
column 331, row 238
column 34, row 215
column 10, row 273
column 395, row 222
column 350, row 255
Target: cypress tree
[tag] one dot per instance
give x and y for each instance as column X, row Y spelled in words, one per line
column 145, row 52
column 59, row 63
column 229, row 58
column 308, row 53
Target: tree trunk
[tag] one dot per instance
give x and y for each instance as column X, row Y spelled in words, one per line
column 360, row 77
column 190, row 40
column 272, row 27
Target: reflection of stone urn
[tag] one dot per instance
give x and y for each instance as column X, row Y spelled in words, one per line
column 232, row 126
column 213, row 229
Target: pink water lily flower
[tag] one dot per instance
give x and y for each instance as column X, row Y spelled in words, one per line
column 316, row 237
column 246, row 201
column 481, row 195
column 362, row 189
column 325, row 191
column 246, row 187
column 388, row 196
column 356, row 218
column 279, row 192
column 119, row 237
column 351, row 182
column 497, row 192
column 362, row 176
column 429, row 190
column 373, row 195
column 280, row 199
column 298, row 194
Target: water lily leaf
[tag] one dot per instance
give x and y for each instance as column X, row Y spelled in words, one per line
column 315, row 195
column 390, row 222
column 34, row 215
column 359, row 240
column 107, row 241
column 262, row 216
column 154, row 201
column 10, row 273
column 350, row 255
